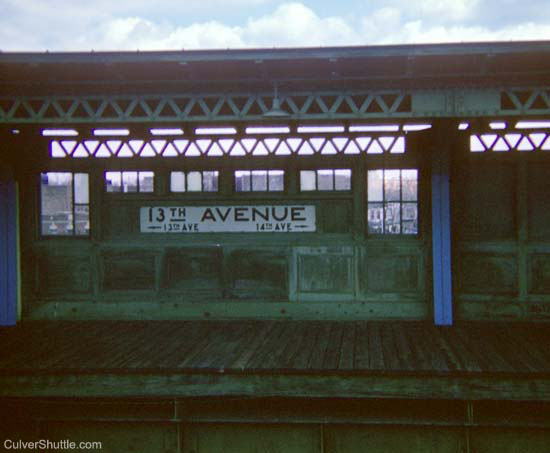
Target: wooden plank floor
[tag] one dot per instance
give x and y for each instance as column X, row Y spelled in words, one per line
column 276, row 347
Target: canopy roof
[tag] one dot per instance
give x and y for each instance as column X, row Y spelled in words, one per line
column 402, row 66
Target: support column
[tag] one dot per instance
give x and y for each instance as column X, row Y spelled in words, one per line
column 9, row 252
column 441, row 224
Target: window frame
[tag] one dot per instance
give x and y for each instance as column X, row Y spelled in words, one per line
column 74, row 205
column 402, row 203
column 188, row 192
column 252, row 191
column 121, row 191
column 329, row 191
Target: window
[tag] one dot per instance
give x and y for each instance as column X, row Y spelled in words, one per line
column 393, row 201
column 194, row 181
column 130, row 181
column 64, row 204
column 259, row 180
column 326, row 179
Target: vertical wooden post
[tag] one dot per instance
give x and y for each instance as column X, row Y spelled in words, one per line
column 441, row 224
column 522, row 232
column 9, row 259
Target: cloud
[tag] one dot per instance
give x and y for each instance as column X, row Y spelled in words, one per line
column 170, row 24
column 443, row 10
column 416, row 32
column 293, row 24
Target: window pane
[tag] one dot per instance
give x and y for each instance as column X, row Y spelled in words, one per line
column 113, row 181
column 375, row 218
column 409, row 185
column 342, row 179
column 259, row 180
column 194, row 181
column 276, row 180
column 177, row 181
column 82, row 220
column 146, row 181
column 81, row 192
column 325, row 179
column 392, row 218
column 242, row 181
column 129, row 181
column 391, row 185
column 410, row 211
column 210, row 181
column 375, row 185
column 410, row 218
column 307, row 180
column 56, row 192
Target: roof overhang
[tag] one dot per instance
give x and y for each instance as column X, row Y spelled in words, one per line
column 254, row 70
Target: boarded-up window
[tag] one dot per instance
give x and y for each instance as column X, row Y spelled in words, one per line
column 539, row 201
column 486, row 273
column 485, row 205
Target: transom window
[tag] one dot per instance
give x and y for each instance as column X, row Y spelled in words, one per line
column 325, row 179
column 64, row 204
column 194, row 181
column 392, row 201
column 130, row 181
column 259, row 180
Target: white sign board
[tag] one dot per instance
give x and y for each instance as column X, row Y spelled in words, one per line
column 227, row 219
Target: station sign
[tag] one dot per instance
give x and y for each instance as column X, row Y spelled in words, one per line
column 228, row 219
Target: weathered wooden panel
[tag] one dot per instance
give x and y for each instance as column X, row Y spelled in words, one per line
column 115, row 437
column 128, row 270
column 359, row 439
column 121, row 219
column 258, row 273
column 540, row 274
column 484, row 273
column 512, row 413
column 538, row 214
column 493, row 440
column 251, row 438
column 326, row 270
column 489, row 310
column 192, row 268
column 485, row 201
column 337, row 216
column 62, row 273
column 390, row 273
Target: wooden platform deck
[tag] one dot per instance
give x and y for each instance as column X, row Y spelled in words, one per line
column 473, row 361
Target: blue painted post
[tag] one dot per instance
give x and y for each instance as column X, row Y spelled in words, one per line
column 9, row 287
column 441, row 234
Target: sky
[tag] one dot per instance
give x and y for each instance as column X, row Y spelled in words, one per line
column 85, row 25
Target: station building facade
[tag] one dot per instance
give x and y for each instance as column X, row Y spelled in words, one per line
column 298, row 249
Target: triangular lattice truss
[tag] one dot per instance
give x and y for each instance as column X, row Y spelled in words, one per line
column 218, row 146
column 510, row 141
column 201, row 107
column 231, row 107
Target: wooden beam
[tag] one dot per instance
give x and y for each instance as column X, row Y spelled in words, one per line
column 441, row 225
column 154, row 384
